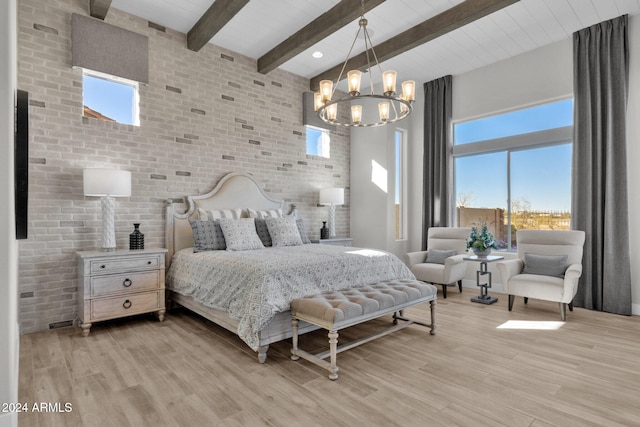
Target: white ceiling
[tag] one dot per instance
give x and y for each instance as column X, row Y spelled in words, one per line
column 263, row 24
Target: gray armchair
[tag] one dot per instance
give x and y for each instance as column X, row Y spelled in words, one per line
column 548, row 267
column 435, row 265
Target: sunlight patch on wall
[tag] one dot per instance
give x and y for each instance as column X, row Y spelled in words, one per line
column 379, row 175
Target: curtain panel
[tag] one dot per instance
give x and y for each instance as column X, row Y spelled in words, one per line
column 438, row 163
column 599, row 176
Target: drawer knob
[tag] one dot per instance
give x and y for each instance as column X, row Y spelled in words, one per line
column 149, row 262
column 127, row 282
column 126, row 304
column 103, row 266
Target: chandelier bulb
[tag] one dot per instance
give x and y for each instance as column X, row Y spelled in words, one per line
column 383, row 110
column 353, row 81
column 356, row 113
column 326, row 89
column 389, row 83
column 409, row 90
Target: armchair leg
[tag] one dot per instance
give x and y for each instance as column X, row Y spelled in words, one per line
column 526, row 300
column 460, row 285
column 563, row 311
column 571, row 306
column 444, row 291
column 511, row 298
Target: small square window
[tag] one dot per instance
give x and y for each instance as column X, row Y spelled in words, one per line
column 318, row 142
column 110, row 98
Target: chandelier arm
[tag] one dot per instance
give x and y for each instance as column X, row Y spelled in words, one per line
column 367, row 43
column 335, row 86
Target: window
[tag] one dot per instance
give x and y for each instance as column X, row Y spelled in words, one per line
column 400, row 180
column 110, row 98
column 318, row 142
column 513, row 171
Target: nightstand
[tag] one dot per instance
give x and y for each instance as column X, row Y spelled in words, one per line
column 119, row 284
column 336, row 241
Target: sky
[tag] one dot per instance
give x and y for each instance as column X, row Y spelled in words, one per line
column 111, row 99
column 541, row 176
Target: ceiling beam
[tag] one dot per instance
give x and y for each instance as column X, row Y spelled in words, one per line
column 441, row 24
column 212, row 21
column 99, row 8
column 323, row 26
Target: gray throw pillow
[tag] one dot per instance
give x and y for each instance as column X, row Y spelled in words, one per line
column 284, row 231
column 546, row 265
column 437, row 256
column 207, row 236
column 263, row 231
column 240, row 234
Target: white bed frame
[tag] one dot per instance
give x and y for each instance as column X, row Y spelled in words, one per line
column 235, row 190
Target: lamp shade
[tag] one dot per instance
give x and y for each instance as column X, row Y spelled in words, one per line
column 332, row 196
column 107, row 182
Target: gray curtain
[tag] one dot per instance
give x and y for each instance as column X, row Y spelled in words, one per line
column 599, row 196
column 438, row 163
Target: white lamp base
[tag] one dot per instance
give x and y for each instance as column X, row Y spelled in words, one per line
column 332, row 221
column 108, row 223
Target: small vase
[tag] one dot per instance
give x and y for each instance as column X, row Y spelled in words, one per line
column 136, row 239
column 324, row 231
column 482, row 253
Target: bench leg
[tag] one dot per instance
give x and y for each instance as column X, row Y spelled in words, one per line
column 294, row 338
column 333, row 348
column 432, row 307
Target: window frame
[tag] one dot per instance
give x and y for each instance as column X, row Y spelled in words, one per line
column 401, row 161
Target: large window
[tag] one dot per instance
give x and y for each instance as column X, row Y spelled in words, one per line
column 513, row 171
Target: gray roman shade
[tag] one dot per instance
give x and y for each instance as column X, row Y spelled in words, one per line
column 310, row 117
column 101, row 47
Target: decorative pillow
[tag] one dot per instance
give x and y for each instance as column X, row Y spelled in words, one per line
column 218, row 214
column 240, row 234
column 207, row 236
column 302, row 229
column 263, row 231
column 284, row 231
column 437, row 256
column 271, row 213
column 546, row 265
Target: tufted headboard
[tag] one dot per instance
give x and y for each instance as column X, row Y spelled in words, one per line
column 235, row 190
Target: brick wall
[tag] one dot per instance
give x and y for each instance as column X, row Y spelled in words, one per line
column 204, row 114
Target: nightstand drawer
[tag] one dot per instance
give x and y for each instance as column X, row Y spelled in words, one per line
column 119, row 283
column 108, row 308
column 114, row 265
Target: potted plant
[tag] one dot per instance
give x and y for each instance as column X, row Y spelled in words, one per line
column 481, row 242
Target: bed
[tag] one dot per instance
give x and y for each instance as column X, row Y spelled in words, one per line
column 248, row 292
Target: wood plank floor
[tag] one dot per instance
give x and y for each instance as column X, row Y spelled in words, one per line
column 186, row 371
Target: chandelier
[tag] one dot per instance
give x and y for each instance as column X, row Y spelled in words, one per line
column 391, row 107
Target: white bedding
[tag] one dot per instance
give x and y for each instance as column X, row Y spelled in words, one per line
column 253, row 286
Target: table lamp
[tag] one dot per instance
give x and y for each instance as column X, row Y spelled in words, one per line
column 107, row 184
column 332, row 197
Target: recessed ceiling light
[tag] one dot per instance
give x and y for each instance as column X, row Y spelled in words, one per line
column 317, row 54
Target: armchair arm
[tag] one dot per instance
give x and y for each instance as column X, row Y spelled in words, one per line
column 571, row 277
column 454, row 268
column 508, row 269
column 413, row 258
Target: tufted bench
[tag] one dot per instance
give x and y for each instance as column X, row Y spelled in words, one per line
column 336, row 310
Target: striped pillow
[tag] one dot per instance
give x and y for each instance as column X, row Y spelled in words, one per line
column 269, row 213
column 212, row 215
